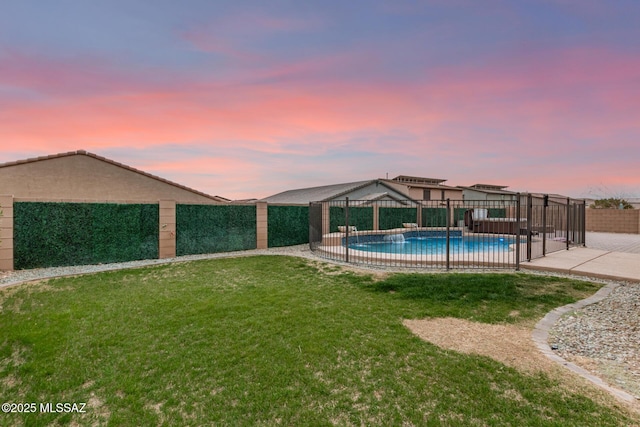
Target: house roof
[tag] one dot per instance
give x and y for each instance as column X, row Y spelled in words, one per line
column 373, row 197
column 327, row 192
column 420, row 182
column 489, row 189
column 406, row 179
column 104, row 159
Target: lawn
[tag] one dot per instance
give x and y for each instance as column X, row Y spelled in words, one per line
column 274, row 340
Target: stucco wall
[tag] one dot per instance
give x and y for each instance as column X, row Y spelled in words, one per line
column 82, row 177
column 417, row 193
column 471, row 194
column 453, row 194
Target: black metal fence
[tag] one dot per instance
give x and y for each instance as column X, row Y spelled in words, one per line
column 446, row 234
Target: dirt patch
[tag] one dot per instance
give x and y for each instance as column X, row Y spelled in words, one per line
column 509, row 344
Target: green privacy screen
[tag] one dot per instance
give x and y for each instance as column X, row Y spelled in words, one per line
column 395, row 217
column 48, row 234
column 360, row 217
column 203, row 229
column 288, row 225
column 497, row 213
column 434, row 217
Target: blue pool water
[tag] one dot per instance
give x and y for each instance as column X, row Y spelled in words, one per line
column 398, row 244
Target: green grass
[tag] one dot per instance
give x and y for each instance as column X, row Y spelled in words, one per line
column 275, row 341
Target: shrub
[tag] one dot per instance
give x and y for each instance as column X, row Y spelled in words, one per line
column 611, row 203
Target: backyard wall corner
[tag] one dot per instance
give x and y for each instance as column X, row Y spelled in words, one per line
column 167, row 234
column 6, row 233
column 262, row 221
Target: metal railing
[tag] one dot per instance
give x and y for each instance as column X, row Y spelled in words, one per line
column 445, row 234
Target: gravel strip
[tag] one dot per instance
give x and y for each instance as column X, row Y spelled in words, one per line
column 604, row 337
column 20, row 276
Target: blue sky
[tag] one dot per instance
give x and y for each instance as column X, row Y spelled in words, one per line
column 247, row 99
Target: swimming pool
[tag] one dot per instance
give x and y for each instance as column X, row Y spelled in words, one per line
column 435, row 245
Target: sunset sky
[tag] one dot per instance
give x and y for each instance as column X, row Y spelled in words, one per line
column 250, row 98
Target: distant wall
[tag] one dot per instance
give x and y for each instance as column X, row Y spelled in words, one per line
column 613, row 220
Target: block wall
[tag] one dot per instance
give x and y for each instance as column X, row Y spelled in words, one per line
column 6, row 233
column 167, row 223
column 613, row 220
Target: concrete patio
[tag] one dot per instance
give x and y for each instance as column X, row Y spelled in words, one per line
column 606, row 255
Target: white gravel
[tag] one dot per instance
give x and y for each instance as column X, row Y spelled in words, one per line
column 605, row 337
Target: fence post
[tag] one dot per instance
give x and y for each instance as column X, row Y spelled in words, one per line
column 262, row 225
column 518, row 231
column 529, row 225
column 167, row 234
column 346, row 223
column 326, row 218
column 584, row 223
column 568, row 221
column 376, row 216
column 6, row 233
column 544, row 224
column 577, row 232
column 448, row 232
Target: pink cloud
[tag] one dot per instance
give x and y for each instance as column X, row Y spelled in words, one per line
column 208, row 165
column 210, row 43
column 531, row 110
column 554, row 93
column 226, row 36
column 69, row 78
column 529, row 98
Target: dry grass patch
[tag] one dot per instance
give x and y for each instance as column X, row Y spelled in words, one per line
column 511, row 345
column 508, row 344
